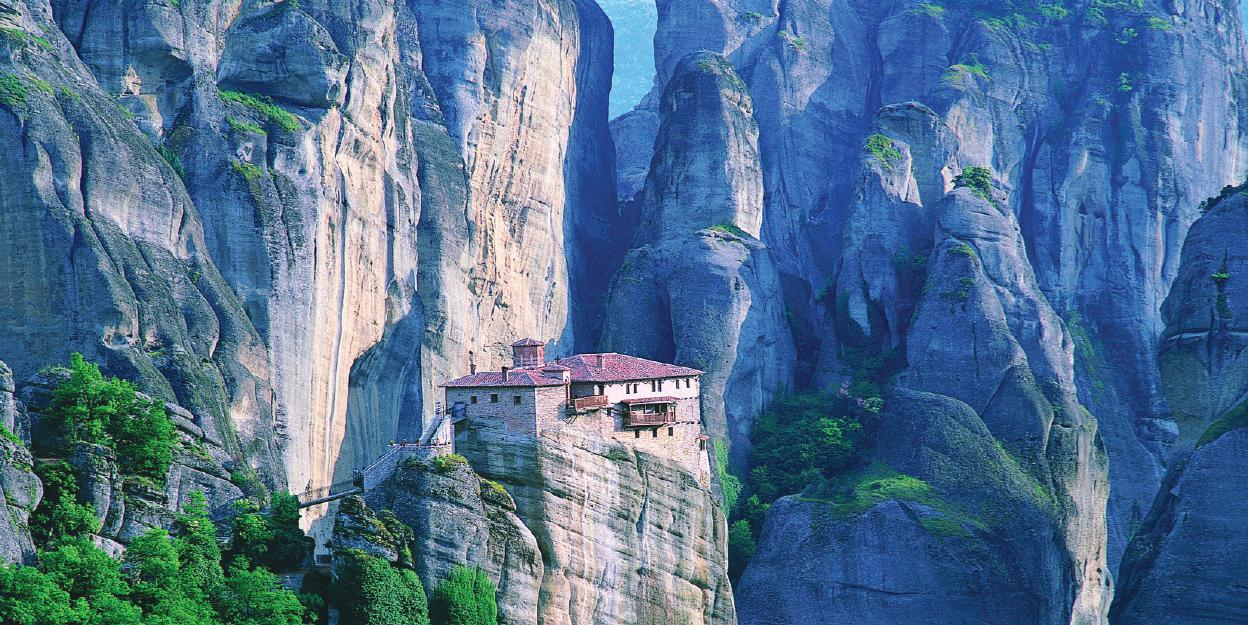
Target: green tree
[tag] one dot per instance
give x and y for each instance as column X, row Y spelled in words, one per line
column 31, row 597
column 59, row 515
column 741, row 548
column 288, row 545
column 153, row 567
column 465, row 597
column 89, row 408
column 799, row 438
column 254, row 597
column 199, row 553
column 251, row 534
column 84, row 570
column 371, row 592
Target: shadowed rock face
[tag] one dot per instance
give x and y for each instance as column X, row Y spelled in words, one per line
column 1185, row 565
column 699, row 288
column 1101, row 159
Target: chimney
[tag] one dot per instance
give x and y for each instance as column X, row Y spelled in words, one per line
column 472, row 368
column 598, row 357
column 506, row 372
column 528, row 353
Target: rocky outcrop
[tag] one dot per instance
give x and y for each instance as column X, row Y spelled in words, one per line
column 20, row 493
column 456, row 519
column 623, row 536
column 1186, row 563
column 946, row 526
column 699, row 288
column 1103, row 166
column 943, row 278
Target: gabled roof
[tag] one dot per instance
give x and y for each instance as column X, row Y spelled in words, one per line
column 614, row 367
column 528, row 343
column 515, row 378
column 584, row 367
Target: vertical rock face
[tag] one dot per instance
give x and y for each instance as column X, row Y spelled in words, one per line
column 1102, row 160
column 20, row 489
column 699, row 288
column 1185, row 563
column 623, row 536
column 107, row 251
column 355, row 201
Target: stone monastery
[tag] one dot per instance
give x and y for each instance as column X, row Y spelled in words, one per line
column 651, row 406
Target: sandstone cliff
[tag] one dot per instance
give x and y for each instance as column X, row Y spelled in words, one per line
column 581, row 529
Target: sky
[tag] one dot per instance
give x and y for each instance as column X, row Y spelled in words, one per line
column 635, row 22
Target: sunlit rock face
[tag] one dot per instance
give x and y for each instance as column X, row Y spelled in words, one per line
column 305, row 216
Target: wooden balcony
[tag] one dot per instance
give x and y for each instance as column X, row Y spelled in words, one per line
column 647, row 419
column 587, row 403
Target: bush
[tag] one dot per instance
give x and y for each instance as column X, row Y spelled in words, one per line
column 883, row 149
column 13, row 91
column 978, row 180
column 88, row 408
column 741, row 548
column 448, row 462
column 265, row 106
column 371, row 592
column 466, row 597
column 59, row 515
column 799, row 438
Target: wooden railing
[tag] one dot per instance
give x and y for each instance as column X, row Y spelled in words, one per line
column 593, row 401
column 635, row 419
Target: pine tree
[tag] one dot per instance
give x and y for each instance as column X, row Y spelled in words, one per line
column 466, row 597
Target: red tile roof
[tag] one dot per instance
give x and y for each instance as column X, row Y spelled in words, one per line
column 584, row 367
column 621, row 368
column 528, row 343
column 649, row 400
column 516, row 377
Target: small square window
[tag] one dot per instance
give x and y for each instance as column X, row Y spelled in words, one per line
column 493, row 398
column 516, row 399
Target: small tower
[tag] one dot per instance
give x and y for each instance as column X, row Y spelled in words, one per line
column 528, row 353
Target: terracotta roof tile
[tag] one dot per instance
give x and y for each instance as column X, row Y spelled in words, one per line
column 515, row 378
column 621, row 368
column 528, row 343
column 584, row 367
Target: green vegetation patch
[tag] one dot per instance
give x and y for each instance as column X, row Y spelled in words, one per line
column 728, row 228
column 449, row 462
column 245, row 127
column 13, row 91
column 1236, row 419
column 265, row 106
column 854, row 493
column 249, row 172
column 978, row 180
column 971, row 66
column 885, row 151
column 930, row 9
